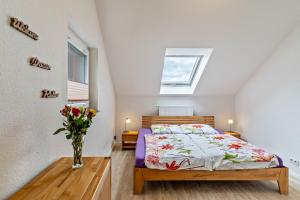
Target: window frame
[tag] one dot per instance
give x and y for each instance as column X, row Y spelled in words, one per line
column 173, row 89
column 192, row 74
column 82, row 47
column 86, row 70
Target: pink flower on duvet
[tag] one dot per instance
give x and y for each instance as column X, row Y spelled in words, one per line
column 258, row 151
column 197, row 126
column 219, row 138
column 152, row 159
column 259, row 155
column 167, row 147
column 234, row 146
column 262, row 158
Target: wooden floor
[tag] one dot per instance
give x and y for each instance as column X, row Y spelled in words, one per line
column 122, row 186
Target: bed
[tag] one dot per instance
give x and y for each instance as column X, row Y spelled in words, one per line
column 142, row 173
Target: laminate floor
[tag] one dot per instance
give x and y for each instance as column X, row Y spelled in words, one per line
column 122, row 186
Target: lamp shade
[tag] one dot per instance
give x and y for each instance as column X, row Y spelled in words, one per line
column 230, row 121
column 127, row 120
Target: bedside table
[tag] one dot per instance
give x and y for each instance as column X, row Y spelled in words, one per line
column 129, row 139
column 235, row 134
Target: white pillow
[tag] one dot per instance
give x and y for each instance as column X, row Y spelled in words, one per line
column 198, row 129
column 166, row 129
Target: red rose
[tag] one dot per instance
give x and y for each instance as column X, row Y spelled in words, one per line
column 76, row 112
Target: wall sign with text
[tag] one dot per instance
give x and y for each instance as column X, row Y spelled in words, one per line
column 49, row 94
column 33, row 61
column 23, row 28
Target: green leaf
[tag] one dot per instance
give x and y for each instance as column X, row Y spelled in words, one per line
column 59, row 130
column 213, row 143
column 229, row 156
column 69, row 136
column 187, row 151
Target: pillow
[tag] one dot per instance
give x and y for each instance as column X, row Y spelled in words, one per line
column 166, row 129
column 198, row 129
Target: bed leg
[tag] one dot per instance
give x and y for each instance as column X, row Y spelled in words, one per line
column 138, row 182
column 283, row 181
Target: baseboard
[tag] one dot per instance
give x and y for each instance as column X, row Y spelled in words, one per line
column 295, row 179
column 113, row 144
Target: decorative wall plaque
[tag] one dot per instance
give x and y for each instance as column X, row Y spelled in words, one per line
column 49, row 94
column 33, row 61
column 23, row 28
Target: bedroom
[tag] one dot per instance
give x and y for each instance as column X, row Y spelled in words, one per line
column 233, row 61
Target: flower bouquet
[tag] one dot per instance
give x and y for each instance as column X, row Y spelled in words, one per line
column 76, row 124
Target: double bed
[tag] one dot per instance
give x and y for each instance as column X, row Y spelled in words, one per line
column 144, row 171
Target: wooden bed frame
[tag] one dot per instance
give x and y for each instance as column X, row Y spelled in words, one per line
column 144, row 174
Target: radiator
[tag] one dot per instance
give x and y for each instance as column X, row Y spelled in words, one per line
column 175, row 111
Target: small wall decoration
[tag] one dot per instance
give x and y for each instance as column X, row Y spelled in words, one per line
column 33, row 61
column 23, row 28
column 49, row 94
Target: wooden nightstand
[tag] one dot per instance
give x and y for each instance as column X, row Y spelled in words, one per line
column 235, row 134
column 129, row 139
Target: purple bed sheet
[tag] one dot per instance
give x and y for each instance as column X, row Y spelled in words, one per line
column 140, row 148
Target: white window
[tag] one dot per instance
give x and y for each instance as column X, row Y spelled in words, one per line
column 182, row 70
column 78, row 71
column 77, row 65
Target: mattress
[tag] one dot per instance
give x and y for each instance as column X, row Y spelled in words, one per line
column 141, row 153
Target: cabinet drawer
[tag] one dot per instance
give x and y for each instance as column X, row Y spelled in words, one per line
column 129, row 137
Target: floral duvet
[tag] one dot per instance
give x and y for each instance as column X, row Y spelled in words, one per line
column 207, row 152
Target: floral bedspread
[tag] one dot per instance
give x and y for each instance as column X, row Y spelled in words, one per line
column 207, row 152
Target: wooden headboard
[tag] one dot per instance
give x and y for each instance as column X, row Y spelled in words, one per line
column 147, row 121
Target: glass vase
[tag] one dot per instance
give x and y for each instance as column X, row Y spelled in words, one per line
column 77, row 143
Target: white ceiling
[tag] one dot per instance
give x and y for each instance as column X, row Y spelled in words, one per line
column 243, row 34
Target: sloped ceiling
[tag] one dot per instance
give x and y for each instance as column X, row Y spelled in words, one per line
column 243, row 34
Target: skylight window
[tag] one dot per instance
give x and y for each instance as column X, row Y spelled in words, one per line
column 180, row 70
column 183, row 68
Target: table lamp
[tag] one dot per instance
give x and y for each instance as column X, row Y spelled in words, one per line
column 127, row 121
column 230, row 122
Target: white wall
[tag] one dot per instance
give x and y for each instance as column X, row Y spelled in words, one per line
column 135, row 107
column 268, row 105
column 27, row 122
